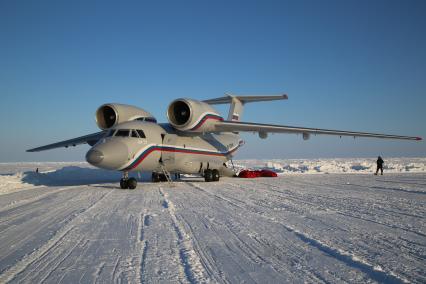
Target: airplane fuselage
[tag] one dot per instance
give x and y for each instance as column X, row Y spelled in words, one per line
column 148, row 146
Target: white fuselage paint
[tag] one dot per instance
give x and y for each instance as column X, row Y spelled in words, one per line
column 176, row 151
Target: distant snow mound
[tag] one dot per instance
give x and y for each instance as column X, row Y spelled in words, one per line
column 326, row 166
column 22, row 176
column 11, row 182
column 359, row 167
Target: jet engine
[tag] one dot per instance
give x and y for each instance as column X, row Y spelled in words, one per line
column 109, row 115
column 192, row 115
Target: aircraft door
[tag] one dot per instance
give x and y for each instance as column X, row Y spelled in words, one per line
column 167, row 152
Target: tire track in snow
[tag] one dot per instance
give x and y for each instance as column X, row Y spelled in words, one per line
column 215, row 275
column 7, row 191
column 209, row 264
column 407, row 181
column 143, row 244
column 114, row 270
column 27, row 201
column 97, row 273
column 282, row 199
column 374, row 272
column 27, row 260
column 346, row 214
column 194, row 270
column 58, row 263
column 251, row 252
column 382, row 188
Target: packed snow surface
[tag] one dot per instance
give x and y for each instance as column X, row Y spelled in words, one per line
column 70, row 223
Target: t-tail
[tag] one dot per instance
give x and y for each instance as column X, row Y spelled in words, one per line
column 237, row 103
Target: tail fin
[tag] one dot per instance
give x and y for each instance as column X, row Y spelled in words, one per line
column 237, row 103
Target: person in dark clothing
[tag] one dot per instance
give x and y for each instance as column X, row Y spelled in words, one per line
column 380, row 163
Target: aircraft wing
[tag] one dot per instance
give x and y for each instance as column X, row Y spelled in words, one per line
column 235, row 126
column 90, row 139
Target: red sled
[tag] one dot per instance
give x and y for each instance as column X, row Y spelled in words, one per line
column 268, row 173
column 255, row 174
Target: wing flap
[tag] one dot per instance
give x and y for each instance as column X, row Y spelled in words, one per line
column 90, row 139
column 235, row 126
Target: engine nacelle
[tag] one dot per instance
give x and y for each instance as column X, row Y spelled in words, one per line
column 109, row 115
column 306, row 136
column 192, row 115
column 263, row 134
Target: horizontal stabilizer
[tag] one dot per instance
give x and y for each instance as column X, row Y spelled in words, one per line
column 244, row 99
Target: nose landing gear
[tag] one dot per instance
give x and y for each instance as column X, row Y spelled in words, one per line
column 128, row 183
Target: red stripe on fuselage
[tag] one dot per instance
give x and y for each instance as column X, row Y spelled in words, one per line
column 142, row 157
column 205, row 118
column 175, row 150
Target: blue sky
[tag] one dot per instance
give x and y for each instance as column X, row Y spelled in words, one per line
column 350, row 65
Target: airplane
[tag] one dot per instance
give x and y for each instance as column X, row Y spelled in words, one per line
column 197, row 139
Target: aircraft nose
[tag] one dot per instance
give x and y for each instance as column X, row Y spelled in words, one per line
column 94, row 157
column 110, row 155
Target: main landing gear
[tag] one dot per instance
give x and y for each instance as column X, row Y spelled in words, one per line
column 211, row 175
column 128, row 183
column 157, row 177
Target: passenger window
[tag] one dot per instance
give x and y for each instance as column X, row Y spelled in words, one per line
column 135, row 134
column 141, row 134
column 122, row 133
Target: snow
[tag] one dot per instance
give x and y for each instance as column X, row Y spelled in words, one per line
column 336, row 166
column 71, row 223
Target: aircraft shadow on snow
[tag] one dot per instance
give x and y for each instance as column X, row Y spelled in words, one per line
column 73, row 175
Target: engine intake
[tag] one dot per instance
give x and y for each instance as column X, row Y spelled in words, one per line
column 180, row 112
column 192, row 115
column 109, row 115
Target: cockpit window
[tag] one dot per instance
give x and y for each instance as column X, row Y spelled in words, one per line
column 141, row 134
column 122, row 133
column 134, row 134
column 126, row 133
column 148, row 119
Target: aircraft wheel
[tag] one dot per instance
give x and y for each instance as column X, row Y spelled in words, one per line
column 163, row 178
column 215, row 175
column 155, row 177
column 208, row 175
column 124, row 183
column 132, row 183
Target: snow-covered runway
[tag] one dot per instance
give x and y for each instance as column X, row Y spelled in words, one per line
column 295, row 228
